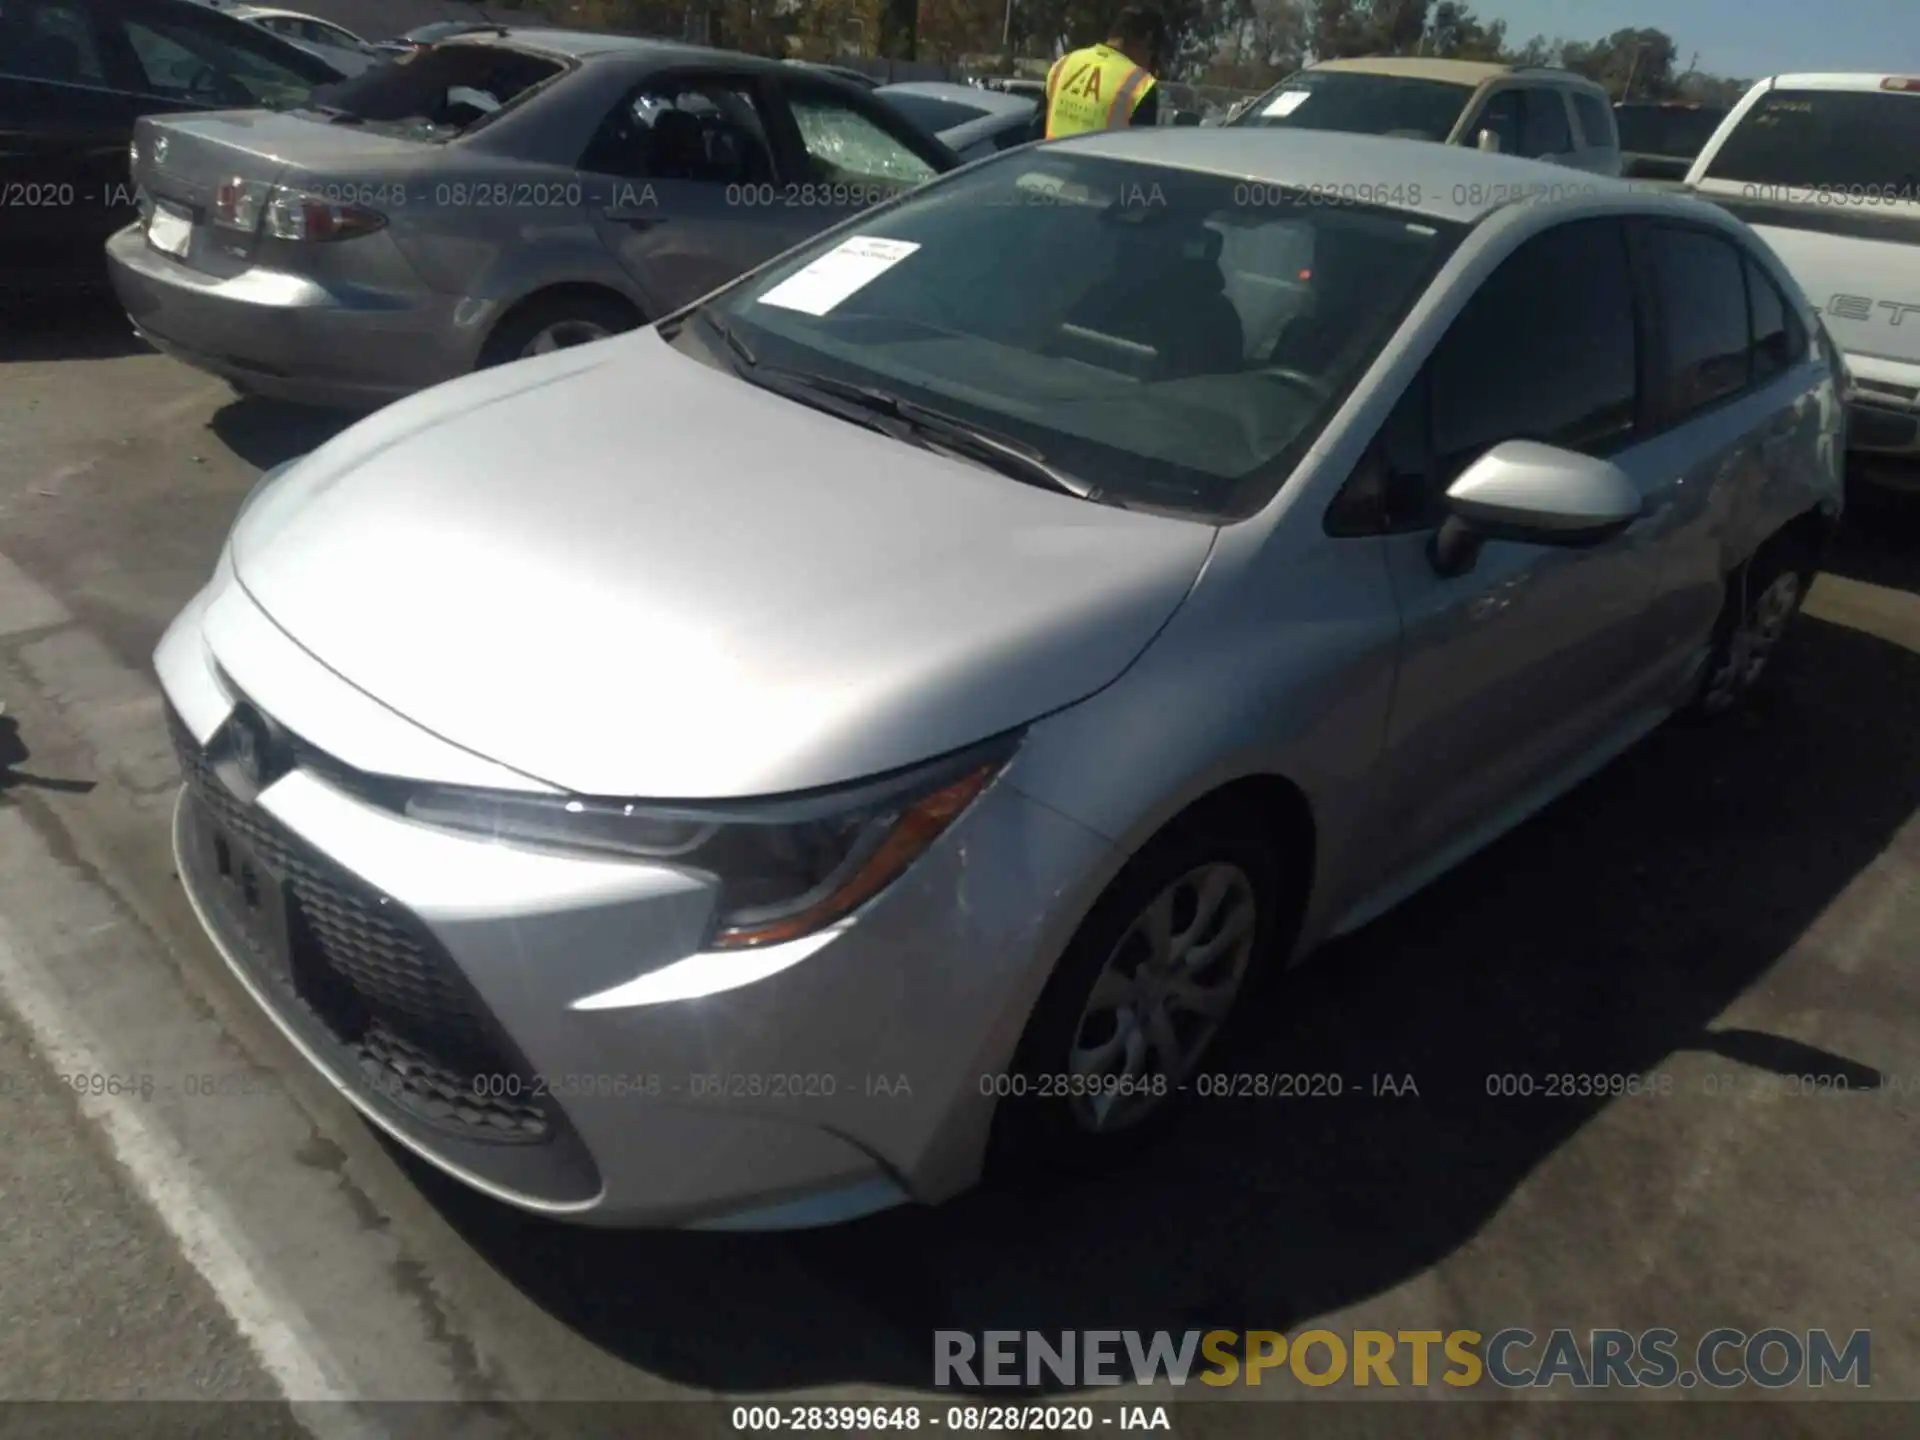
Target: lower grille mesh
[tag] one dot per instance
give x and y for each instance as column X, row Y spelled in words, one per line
column 369, row 971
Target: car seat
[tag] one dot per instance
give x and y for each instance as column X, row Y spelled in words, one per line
column 679, row 147
column 1168, row 296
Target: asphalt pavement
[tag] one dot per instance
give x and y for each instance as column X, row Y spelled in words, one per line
column 1732, row 907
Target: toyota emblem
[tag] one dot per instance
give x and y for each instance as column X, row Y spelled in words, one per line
column 251, row 744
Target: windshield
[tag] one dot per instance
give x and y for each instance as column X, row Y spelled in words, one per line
column 1679, row 132
column 1827, row 138
column 929, row 112
column 436, row 94
column 1361, row 104
column 1150, row 332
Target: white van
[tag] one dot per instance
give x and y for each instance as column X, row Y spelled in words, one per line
column 1827, row 169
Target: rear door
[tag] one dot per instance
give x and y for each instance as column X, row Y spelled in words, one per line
column 65, row 121
column 1714, row 420
column 1830, row 177
column 683, row 185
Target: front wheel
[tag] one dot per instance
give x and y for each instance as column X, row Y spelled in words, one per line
column 1144, row 992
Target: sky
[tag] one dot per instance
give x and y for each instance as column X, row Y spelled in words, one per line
column 1741, row 38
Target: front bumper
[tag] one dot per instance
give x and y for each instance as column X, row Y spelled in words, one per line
column 292, row 338
column 607, row 1071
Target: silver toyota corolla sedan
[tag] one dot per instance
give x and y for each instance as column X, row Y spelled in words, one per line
column 493, row 196
column 748, row 771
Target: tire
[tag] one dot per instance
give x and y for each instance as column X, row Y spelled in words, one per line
column 1762, row 598
column 1039, row 1124
column 556, row 322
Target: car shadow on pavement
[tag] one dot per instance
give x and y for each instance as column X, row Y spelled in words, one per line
column 1603, row 938
column 80, row 326
column 265, row 432
column 13, row 750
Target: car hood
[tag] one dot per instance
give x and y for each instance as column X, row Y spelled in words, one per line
column 623, row 572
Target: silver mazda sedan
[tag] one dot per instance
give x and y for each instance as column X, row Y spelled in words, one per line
column 489, row 197
column 749, row 771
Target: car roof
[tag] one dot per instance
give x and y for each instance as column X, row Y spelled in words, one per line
column 592, row 44
column 1472, row 73
column 1456, row 72
column 1441, row 182
column 1835, row 80
column 264, row 12
column 994, row 102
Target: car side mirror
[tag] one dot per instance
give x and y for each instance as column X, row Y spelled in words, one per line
column 1532, row 494
column 1186, row 117
column 1488, row 142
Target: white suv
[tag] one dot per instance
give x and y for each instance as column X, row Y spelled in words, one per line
column 1827, row 169
column 1535, row 113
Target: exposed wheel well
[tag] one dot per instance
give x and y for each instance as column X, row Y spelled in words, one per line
column 1280, row 810
column 1802, row 540
column 599, row 294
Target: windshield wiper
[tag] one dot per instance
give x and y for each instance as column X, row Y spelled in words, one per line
column 946, row 432
column 900, row 418
column 725, row 332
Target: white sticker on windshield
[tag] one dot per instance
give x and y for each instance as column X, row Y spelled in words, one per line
column 1286, row 102
column 851, row 264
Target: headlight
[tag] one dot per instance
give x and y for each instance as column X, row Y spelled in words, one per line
column 786, row 868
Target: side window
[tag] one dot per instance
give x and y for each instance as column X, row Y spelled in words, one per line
column 1502, row 115
column 1596, row 121
column 1778, row 338
column 48, row 40
column 1546, row 131
column 847, row 147
column 1545, row 350
column 1702, row 293
column 708, row 132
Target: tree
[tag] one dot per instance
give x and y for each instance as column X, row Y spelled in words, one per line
column 1396, row 27
column 1276, row 33
column 1458, row 34
column 1640, row 61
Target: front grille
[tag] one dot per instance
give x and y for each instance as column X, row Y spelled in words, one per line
column 415, row 1032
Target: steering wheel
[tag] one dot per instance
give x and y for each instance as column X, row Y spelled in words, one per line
column 1316, row 387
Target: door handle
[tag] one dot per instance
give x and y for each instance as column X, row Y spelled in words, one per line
column 638, row 218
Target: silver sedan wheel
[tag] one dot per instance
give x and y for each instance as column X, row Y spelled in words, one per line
column 563, row 335
column 1753, row 642
column 1161, row 997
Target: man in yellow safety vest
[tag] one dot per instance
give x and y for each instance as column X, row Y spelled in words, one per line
column 1110, row 86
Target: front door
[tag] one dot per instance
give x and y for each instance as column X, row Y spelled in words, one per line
column 1516, row 673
